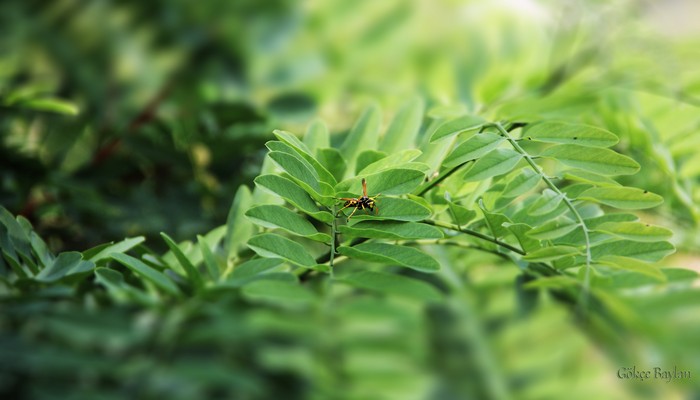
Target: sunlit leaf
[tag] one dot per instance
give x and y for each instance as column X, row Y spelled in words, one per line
column 553, row 229
column 391, row 230
column 388, row 182
column 66, row 264
column 457, row 125
column 579, row 175
column 393, row 208
column 631, row 264
column 238, row 229
column 561, row 132
column 652, row 252
column 391, row 254
column 316, row 136
column 191, row 271
column 473, row 148
column 278, row 291
column 622, row 197
column 58, row 106
column 363, row 135
column 548, row 202
column 302, row 173
column 551, row 253
column 393, row 284
column 592, row 159
column 272, row 216
column 251, row 270
column 275, row 246
column 636, row 231
column 295, row 195
column 154, row 276
column 119, row 247
column 497, row 162
column 401, row 133
column 395, row 160
column 521, row 183
column 303, row 153
column 210, row 260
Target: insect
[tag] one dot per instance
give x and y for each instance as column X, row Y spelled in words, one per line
column 360, row 203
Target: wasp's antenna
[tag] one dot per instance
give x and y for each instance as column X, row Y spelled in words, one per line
column 364, row 188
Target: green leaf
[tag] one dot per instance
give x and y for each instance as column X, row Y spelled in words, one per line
column 495, row 221
column 588, row 177
column 596, row 160
column 191, row 271
column 388, row 182
column 278, row 291
column 561, row 132
column 238, row 229
column 293, row 141
column 66, row 264
column 302, row 154
column 210, row 261
column 302, row 173
column 552, row 282
column 51, row 104
column 41, row 250
column 19, row 241
column 545, row 204
column 521, row 183
column 473, row 148
column 626, row 198
column 119, row 247
column 273, row 216
column 652, row 252
column 391, row 254
column 251, row 270
column 271, row 245
column 631, row 264
column 636, row 231
column 368, row 157
column 118, row 288
column 520, row 231
column 391, row 230
column 595, row 222
column 316, row 136
column 159, row 279
column 333, row 161
column 393, row 284
column 396, row 160
column 404, row 128
column 497, row 162
column 392, row 208
column 363, row 135
column 457, row 125
column 553, row 229
column 295, row 195
column 551, row 253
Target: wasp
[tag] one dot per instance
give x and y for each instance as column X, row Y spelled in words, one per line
column 360, row 203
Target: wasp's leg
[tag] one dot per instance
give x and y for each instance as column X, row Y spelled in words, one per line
column 353, row 212
column 347, row 204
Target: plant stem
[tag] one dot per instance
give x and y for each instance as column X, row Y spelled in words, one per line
column 567, row 202
column 420, row 190
column 473, row 233
column 333, row 238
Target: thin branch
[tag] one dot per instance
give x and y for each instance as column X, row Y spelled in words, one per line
column 567, row 202
column 475, row 234
column 420, row 190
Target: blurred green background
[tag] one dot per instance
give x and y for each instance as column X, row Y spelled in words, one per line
column 131, row 118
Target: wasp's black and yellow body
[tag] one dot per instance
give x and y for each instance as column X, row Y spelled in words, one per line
column 360, row 203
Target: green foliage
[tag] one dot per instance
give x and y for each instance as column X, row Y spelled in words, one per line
column 510, row 199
